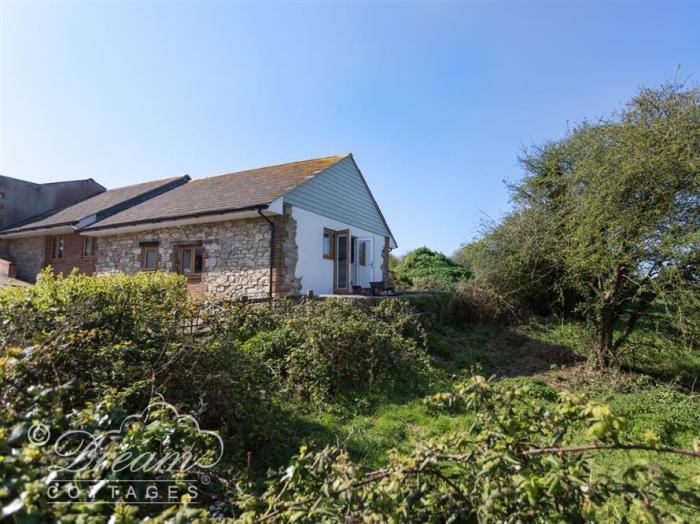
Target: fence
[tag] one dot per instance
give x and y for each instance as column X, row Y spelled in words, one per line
column 435, row 308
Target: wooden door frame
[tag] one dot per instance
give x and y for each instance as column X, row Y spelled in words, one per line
column 369, row 257
column 345, row 290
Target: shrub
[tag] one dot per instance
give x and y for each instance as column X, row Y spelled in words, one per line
column 124, row 335
column 330, row 348
column 145, row 308
column 427, row 269
column 30, row 470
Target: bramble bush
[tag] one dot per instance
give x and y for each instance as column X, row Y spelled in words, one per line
column 326, row 349
column 81, row 353
column 125, row 334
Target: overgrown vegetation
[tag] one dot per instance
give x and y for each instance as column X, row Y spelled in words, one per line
column 81, row 353
column 424, row 269
column 606, row 225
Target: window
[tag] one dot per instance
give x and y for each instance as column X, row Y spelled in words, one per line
column 89, row 247
column 58, row 248
column 149, row 256
column 363, row 253
column 191, row 261
column 328, row 242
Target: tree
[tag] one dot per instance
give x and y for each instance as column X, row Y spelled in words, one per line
column 424, row 268
column 514, row 261
column 624, row 194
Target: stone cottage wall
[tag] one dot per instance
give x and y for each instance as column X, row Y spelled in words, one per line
column 236, row 255
column 28, row 256
column 386, row 276
column 286, row 254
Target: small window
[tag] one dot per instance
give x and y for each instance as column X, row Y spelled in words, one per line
column 58, row 248
column 191, row 261
column 328, row 241
column 363, row 253
column 89, row 247
column 149, row 257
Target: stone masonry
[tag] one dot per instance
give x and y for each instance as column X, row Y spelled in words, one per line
column 286, row 254
column 28, row 256
column 236, row 255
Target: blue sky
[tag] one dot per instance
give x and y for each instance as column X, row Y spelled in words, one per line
column 435, row 100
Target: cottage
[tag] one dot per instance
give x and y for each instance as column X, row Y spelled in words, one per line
column 278, row 230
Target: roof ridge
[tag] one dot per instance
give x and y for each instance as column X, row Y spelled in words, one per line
column 138, row 184
column 150, row 187
column 270, row 166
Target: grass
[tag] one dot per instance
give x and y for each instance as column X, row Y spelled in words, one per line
column 547, row 357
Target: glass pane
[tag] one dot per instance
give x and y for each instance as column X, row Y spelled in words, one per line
column 198, row 260
column 186, row 261
column 59, row 253
column 150, row 258
column 342, row 265
column 87, row 247
column 363, row 253
column 326, row 244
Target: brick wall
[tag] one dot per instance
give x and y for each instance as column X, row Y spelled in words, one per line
column 72, row 255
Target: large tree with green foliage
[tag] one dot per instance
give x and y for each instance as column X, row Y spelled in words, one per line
column 618, row 203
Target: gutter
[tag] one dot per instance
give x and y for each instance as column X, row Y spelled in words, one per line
column 98, row 227
column 101, row 214
column 15, row 231
column 272, row 249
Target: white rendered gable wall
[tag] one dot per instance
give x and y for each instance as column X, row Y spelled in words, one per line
column 316, row 272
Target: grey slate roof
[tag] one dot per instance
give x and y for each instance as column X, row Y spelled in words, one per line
column 231, row 192
column 111, row 200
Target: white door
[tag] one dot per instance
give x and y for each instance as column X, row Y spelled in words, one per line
column 364, row 262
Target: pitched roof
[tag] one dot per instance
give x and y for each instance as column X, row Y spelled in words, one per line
column 102, row 203
column 224, row 193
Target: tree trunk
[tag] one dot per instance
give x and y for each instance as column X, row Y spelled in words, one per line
column 604, row 340
column 604, row 349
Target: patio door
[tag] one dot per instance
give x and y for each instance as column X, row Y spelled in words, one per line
column 363, row 264
column 341, row 262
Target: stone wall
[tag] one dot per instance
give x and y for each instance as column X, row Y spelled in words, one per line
column 385, row 262
column 236, row 255
column 286, row 254
column 28, row 256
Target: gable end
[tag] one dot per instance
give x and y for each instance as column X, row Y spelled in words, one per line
column 340, row 192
